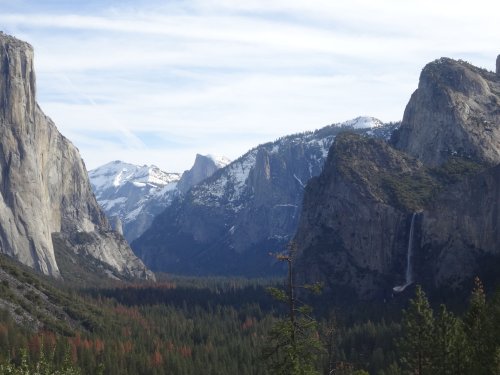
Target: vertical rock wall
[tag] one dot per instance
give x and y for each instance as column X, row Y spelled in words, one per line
column 44, row 187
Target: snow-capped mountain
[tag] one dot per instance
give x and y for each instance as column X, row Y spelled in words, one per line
column 363, row 122
column 133, row 193
column 136, row 194
column 118, row 173
column 228, row 223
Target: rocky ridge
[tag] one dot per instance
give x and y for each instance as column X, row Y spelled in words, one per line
column 44, row 187
column 134, row 194
column 228, row 223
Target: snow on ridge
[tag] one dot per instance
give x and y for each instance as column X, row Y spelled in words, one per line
column 220, row 160
column 363, row 122
column 235, row 176
column 117, row 173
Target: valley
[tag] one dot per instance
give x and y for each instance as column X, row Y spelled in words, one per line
column 361, row 247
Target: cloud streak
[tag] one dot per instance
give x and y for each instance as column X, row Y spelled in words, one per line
column 165, row 80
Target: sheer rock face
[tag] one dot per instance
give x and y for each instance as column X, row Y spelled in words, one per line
column 203, row 168
column 352, row 233
column 356, row 218
column 454, row 112
column 44, row 188
column 498, row 65
column 355, row 224
column 460, row 232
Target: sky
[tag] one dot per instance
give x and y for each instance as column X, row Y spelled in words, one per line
column 155, row 82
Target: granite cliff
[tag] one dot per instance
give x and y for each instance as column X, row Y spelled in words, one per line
column 204, row 166
column 44, row 188
column 440, row 171
column 454, row 112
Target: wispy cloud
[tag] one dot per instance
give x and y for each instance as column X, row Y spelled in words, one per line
column 157, row 81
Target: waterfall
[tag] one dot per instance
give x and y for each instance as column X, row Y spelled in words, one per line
column 409, row 255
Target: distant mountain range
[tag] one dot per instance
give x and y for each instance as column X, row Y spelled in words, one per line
column 136, row 194
column 228, row 223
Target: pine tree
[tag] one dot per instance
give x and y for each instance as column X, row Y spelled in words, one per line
column 294, row 342
column 479, row 329
column 450, row 348
column 417, row 340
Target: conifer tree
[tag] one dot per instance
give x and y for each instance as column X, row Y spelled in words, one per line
column 416, row 343
column 479, row 329
column 294, row 342
column 450, row 348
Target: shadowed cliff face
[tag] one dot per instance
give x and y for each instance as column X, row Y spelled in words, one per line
column 355, row 224
column 454, row 112
column 352, row 232
column 43, row 182
column 461, row 232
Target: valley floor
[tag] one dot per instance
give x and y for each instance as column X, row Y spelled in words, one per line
column 182, row 325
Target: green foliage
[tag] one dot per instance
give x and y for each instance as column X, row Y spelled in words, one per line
column 456, row 169
column 45, row 365
column 297, row 356
column 417, row 329
column 414, row 191
column 410, row 191
column 450, row 345
column 220, row 326
column 202, row 327
column 294, row 347
column 480, row 330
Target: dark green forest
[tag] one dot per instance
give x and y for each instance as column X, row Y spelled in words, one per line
column 225, row 326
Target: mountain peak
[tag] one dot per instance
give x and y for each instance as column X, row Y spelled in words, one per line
column 453, row 113
column 204, row 166
column 362, row 122
column 220, row 160
column 117, row 173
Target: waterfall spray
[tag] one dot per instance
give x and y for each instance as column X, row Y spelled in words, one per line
column 409, row 255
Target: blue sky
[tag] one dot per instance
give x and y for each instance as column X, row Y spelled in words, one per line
column 155, row 82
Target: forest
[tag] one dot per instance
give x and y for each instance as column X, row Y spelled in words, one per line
column 241, row 326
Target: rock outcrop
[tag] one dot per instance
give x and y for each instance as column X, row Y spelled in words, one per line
column 355, row 226
column 229, row 223
column 203, row 167
column 44, row 188
column 454, row 112
column 460, row 232
column 117, row 225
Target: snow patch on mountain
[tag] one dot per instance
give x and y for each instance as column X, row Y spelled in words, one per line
column 219, row 160
column 363, row 122
column 136, row 194
column 118, row 173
